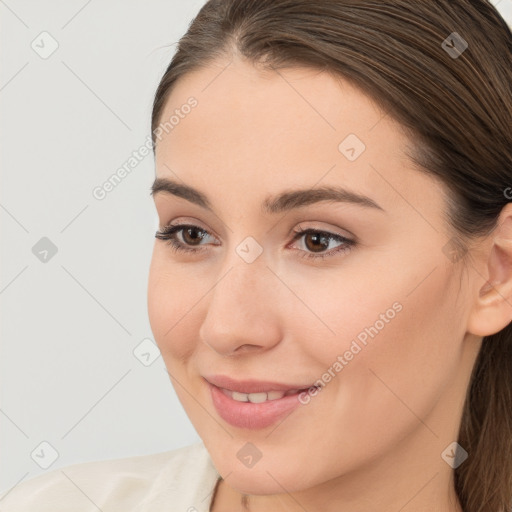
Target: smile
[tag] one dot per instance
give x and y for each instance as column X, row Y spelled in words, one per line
column 258, row 398
column 253, row 404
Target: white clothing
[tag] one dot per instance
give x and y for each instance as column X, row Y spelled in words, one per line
column 181, row 480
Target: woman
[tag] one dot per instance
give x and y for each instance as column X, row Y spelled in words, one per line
column 331, row 282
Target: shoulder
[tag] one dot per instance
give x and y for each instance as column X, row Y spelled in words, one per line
column 182, row 478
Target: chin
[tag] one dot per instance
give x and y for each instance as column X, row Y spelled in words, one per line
column 268, row 476
column 261, row 483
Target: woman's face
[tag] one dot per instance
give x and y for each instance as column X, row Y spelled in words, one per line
column 375, row 326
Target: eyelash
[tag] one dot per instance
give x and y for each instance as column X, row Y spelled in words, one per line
column 168, row 232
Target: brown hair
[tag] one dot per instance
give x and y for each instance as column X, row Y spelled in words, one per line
column 457, row 106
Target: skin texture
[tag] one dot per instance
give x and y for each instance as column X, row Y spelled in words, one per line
column 372, row 438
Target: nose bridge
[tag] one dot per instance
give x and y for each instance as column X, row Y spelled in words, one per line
column 241, row 309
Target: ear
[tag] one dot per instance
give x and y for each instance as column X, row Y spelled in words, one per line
column 492, row 309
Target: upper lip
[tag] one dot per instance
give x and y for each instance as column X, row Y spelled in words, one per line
column 251, row 386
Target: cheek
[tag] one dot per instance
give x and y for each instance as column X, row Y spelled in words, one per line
column 396, row 345
column 172, row 293
column 398, row 311
column 398, row 361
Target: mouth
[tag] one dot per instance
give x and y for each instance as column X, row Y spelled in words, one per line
column 258, row 398
column 253, row 404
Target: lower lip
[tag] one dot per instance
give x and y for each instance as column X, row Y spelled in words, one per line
column 249, row 415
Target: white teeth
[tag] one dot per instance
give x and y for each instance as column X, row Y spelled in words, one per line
column 255, row 398
column 275, row 395
column 240, row 397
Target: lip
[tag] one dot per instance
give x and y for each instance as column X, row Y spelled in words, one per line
column 251, row 386
column 248, row 415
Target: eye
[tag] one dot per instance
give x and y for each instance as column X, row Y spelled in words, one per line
column 190, row 234
column 316, row 240
column 187, row 238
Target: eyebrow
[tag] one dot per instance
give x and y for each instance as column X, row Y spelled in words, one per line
column 280, row 203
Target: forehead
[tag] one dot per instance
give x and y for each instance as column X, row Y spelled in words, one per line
column 241, row 103
column 265, row 129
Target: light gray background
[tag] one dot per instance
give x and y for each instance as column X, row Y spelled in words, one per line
column 70, row 325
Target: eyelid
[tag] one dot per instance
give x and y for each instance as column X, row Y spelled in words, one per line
column 170, row 229
column 344, row 233
column 295, row 232
column 185, row 222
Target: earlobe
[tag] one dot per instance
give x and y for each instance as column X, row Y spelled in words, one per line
column 492, row 310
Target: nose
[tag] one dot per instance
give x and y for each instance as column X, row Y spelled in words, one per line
column 242, row 313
